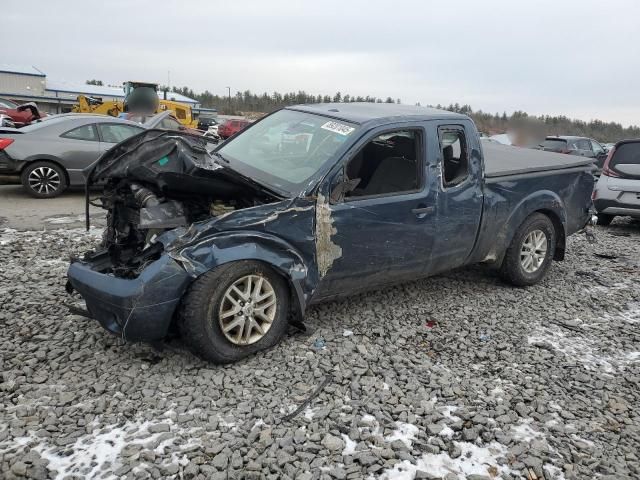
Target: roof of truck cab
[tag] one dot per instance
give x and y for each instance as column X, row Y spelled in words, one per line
column 363, row 112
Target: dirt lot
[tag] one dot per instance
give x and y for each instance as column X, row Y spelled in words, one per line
column 457, row 376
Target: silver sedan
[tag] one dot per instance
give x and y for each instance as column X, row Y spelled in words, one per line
column 49, row 156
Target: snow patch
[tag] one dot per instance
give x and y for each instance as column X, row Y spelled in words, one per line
column 309, row 413
column 405, row 432
column 524, row 433
column 584, row 350
column 259, row 423
column 446, row 432
column 350, row 445
column 448, row 412
column 347, row 333
column 474, row 460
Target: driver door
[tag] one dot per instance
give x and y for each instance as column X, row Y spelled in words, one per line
column 384, row 228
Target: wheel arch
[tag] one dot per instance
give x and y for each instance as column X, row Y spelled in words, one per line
column 561, row 235
column 46, row 158
column 544, row 201
column 212, row 252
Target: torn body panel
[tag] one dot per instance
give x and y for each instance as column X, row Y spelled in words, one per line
column 326, row 251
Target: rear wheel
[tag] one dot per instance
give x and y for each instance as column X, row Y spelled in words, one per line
column 44, row 179
column 529, row 256
column 604, row 219
column 234, row 311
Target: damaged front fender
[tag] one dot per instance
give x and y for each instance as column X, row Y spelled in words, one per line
column 240, row 245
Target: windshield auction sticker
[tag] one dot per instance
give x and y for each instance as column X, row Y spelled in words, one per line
column 336, row 127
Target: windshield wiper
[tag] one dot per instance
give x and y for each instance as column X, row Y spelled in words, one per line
column 219, row 155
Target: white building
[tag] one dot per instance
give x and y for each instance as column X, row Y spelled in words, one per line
column 28, row 84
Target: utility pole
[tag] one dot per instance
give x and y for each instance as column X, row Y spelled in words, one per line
column 229, row 88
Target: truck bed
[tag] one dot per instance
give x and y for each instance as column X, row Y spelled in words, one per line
column 505, row 160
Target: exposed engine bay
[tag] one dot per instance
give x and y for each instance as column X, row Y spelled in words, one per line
column 157, row 181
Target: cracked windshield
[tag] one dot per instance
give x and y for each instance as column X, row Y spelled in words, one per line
column 287, row 148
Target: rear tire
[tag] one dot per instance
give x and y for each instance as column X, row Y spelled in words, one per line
column 605, row 219
column 531, row 251
column 44, row 179
column 224, row 318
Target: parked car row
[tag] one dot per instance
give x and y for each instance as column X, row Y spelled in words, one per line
column 49, row 156
column 571, row 145
column 617, row 192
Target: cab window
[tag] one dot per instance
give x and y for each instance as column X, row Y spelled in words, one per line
column 455, row 156
column 85, row 132
column 169, row 124
column 388, row 164
column 114, row 133
column 597, row 148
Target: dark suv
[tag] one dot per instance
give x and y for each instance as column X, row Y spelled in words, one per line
column 583, row 146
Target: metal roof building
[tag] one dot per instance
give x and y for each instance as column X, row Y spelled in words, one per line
column 29, row 84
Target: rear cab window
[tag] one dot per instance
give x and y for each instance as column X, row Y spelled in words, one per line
column 454, row 152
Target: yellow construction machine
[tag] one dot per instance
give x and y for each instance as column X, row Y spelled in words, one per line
column 139, row 97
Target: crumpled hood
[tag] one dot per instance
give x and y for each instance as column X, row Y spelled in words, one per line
column 175, row 162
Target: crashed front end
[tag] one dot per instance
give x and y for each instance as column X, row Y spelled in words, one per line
column 154, row 182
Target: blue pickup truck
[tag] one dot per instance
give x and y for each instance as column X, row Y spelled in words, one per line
column 229, row 244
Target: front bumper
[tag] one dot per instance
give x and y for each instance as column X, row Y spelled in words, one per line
column 139, row 309
column 9, row 169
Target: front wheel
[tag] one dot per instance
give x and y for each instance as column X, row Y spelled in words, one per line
column 234, row 311
column 44, row 179
column 530, row 253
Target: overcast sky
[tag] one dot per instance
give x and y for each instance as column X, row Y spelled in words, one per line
column 580, row 58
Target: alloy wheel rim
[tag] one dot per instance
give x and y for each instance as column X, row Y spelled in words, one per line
column 247, row 310
column 533, row 251
column 44, row 180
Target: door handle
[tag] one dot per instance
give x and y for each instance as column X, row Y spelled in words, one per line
column 422, row 211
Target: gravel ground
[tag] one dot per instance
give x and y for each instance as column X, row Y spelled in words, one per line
column 457, row 376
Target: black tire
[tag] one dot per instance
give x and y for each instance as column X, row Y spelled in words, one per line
column 512, row 269
column 53, row 179
column 199, row 317
column 604, row 219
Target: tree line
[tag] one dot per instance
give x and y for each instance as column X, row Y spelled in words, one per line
column 489, row 123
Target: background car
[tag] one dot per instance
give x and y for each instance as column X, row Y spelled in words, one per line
column 617, row 192
column 21, row 115
column 166, row 120
column 49, row 156
column 231, row 127
column 205, row 123
column 586, row 147
column 6, row 121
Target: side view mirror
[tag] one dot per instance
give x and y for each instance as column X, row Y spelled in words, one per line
column 343, row 187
